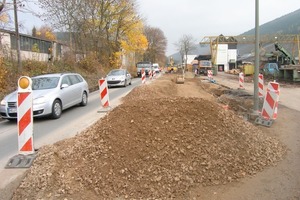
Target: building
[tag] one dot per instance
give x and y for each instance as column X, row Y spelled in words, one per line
column 225, row 51
column 31, row 48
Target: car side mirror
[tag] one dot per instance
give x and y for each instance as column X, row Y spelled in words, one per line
column 64, row 86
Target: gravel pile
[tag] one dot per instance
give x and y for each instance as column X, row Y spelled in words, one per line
column 153, row 146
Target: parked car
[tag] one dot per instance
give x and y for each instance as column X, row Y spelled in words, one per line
column 118, row 77
column 52, row 93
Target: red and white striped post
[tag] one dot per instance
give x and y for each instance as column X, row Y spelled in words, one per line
column 25, row 116
column 274, row 86
column 150, row 74
column 270, row 106
column 143, row 76
column 260, row 85
column 104, row 97
column 209, row 75
column 241, row 80
column 154, row 74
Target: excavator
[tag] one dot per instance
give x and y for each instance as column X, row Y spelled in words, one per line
column 288, row 58
column 285, row 65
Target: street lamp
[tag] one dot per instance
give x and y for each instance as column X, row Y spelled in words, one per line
column 256, row 71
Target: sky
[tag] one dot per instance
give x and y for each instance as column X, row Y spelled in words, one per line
column 198, row 18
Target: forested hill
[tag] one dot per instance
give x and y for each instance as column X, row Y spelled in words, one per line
column 287, row 24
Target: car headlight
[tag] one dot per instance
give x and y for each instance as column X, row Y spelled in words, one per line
column 39, row 100
column 3, row 102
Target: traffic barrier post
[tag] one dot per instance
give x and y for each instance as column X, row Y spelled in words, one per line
column 143, row 76
column 25, row 116
column 150, row 75
column 104, row 96
column 260, row 85
column 154, row 74
column 270, row 105
column 209, row 74
column 241, row 80
column 274, row 86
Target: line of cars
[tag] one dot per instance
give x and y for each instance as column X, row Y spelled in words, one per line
column 53, row 93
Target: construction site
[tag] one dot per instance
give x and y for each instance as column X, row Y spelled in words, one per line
column 186, row 135
column 278, row 55
column 173, row 141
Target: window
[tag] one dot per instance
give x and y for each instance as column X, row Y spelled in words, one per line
column 66, row 80
column 74, row 79
column 44, row 83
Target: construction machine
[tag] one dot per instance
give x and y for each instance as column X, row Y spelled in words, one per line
column 285, row 65
column 287, row 57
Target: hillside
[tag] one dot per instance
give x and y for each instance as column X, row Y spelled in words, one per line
column 287, row 24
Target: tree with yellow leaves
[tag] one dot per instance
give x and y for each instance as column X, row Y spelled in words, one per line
column 45, row 32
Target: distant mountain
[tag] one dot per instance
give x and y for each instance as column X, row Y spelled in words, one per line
column 198, row 51
column 287, row 24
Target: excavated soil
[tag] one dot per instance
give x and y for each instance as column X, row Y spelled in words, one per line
column 162, row 141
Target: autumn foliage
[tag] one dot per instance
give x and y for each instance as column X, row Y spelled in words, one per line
column 46, row 33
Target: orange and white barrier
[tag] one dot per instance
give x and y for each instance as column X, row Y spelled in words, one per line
column 270, row 105
column 260, row 85
column 241, row 80
column 104, row 97
column 25, row 116
column 274, row 86
column 150, row 74
column 154, row 74
column 209, row 74
column 143, row 76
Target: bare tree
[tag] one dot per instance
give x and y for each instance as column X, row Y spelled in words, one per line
column 185, row 45
column 157, row 44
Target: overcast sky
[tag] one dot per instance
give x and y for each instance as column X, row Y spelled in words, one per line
column 200, row 18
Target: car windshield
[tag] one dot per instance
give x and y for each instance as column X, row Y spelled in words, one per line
column 116, row 72
column 205, row 63
column 44, row 83
column 143, row 65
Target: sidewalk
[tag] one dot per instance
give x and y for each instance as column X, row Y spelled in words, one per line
column 289, row 97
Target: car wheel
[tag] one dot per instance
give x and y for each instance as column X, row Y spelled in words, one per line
column 84, row 99
column 56, row 109
column 130, row 82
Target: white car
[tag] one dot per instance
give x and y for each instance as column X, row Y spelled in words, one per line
column 52, row 93
column 118, row 77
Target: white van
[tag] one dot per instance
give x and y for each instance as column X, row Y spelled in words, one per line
column 156, row 67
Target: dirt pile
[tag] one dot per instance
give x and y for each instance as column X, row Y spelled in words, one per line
column 154, row 145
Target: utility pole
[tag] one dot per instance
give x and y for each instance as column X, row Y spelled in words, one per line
column 17, row 36
column 256, row 70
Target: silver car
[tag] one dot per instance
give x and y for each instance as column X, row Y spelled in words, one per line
column 52, row 93
column 118, row 77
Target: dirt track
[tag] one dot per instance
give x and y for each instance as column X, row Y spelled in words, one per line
column 172, row 141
